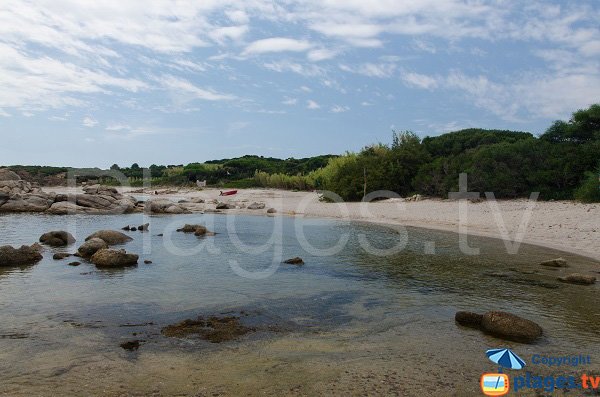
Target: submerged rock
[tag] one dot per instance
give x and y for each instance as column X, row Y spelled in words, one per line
column 578, row 278
column 503, row 325
column 74, row 263
column 131, row 345
column 60, row 255
column 558, row 262
column 294, row 261
column 213, row 329
column 26, row 255
column 57, row 238
column 469, row 319
column 111, row 237
column 510, row 326
column 113, row 258
column 91, row 246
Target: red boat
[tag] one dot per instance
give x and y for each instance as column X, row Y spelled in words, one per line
column 228, row 193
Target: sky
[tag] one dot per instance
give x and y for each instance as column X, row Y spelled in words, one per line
column 92, row 83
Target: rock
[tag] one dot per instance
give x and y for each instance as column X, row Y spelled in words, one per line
column 224, row 206
column 60, row 255
column 197, row 200
column 510, row 327
column 74, row 263
column 558, row 262
column 111, row 237
column 163, row 206
column 91, row 246
column 256, row 206
column 213, row 329
column 578, row 278
column 469, row 319
column 57, row 238
column 147, row 261
column 113, row 258
column 126, row 228
column 27, row 202
column 294, row 261
column 8, row 175
column 131, row 345
column 26, row 255
column 133, row 228
column 144, row 227
column 271, row 211
column 187, row 228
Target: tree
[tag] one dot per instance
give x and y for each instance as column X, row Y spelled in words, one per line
column 115, row 167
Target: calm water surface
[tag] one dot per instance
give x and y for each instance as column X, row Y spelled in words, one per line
column 58, row 323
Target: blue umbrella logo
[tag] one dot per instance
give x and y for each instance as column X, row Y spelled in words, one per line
column 505, row 358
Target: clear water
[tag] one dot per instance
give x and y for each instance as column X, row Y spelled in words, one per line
column 333, row 320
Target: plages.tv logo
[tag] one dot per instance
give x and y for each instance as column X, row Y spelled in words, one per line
column 498, row 384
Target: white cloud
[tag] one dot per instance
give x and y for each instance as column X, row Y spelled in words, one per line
column 290, row 101
column 366, row 103
column 237, row 16
column 288, row 66
column 185, row 90
column 276, row 44
column 235, row 33
column 419, row 80
column 339, row 109
column 321, row 54
column 305, row 89
column 380, row 70
column 89, row 122
column 310, row 104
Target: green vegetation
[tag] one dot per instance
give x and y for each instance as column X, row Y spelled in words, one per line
column 560, row 164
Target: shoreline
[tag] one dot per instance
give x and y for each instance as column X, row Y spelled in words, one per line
column 567, row 226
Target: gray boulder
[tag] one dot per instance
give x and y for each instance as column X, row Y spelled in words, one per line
column 163, row 206
column 91, row 246
column 57, row 238
column 8, row 175
column 107, row 258
column 256, row 206
column 111, row 237
column 224, row 206
column 271, row 211
column 26, row 255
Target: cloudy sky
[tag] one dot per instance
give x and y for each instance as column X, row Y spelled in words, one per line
column 91, row 83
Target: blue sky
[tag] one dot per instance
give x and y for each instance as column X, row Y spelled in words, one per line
column 170, row 82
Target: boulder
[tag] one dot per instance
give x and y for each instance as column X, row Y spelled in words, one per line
column 256, row 206
column 294, row 261
column 113, row 258
column 74, row 263
column 187, row 228
column 26, row 255
column 111, row 237
column 510, row 327
column 91, row 246
column 271, row 211
column 162, row 206
column 144, row 227
column 224, row 206
column 8, row 175
column 60, row 255
column 578, row 278
column 57, row 238
column 558, row 262
column 469, row 319
column 27, row 202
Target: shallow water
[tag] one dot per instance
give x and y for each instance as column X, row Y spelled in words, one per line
column 350, row 322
